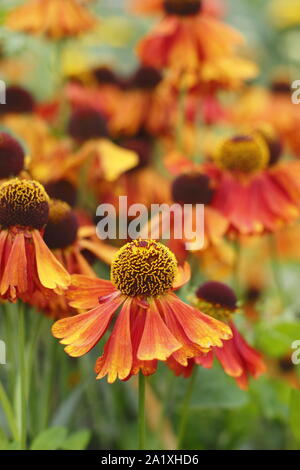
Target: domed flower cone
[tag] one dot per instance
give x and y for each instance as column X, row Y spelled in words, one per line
column 26, row 264
column 153, row 324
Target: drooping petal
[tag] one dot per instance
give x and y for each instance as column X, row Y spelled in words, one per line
column 201, row 329
column 51, row 273
column 157, row 341
column 81, row 332
column 252, row 358
column 138, row 317
column 84, row 292
column 188, row 349
column 116, row 361
column 15, row 280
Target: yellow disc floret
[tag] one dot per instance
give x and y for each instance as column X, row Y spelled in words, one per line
column 144, row 268
column 243, row 153
column 58, row 210
column 23, row 203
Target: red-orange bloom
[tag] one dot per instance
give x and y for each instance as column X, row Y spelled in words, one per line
column 194, row 45
column 253, row 196
column 238, row 359
column 26, row 264
column 153, row 324
column 56, row 19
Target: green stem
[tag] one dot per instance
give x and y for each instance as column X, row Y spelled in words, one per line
column 48, row 383
column 141, row 416
column 9, row 413
column 276, row 269
column 236, row 269
column 186, row 408
column 22, row 371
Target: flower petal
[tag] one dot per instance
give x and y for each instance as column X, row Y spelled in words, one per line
column 81, row 332
column 116, row 361
column 157, row 341
column 51, row 273
column 84, row 291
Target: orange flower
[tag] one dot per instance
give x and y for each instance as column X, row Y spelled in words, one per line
column 75, row 247
column 146, row 103
column 252, row 190
column 56, row 19
column 212, row 7
column 153, row 324
column 69, row 241
column 26, row 264
column 238, row 359
column 191, row 186
column 195, row 46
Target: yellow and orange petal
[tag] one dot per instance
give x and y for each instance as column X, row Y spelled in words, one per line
column 153, row 324
column 56, row 19
column 186, row 45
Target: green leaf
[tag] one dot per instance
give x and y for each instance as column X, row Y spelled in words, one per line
column 3, row 440
column 77, row 441
column 276, row 341
column 295, row 413
column 51, row 439
column 214, row 389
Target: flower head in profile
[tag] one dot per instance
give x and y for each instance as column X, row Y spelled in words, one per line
column 76, row 247
column 254, row 191
column 153, row 323
column 238, row 359
column 26, row 264
column 55, row 19
column 195, row 46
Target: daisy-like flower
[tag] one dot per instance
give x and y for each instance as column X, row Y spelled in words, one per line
column 194, row 45
column 90, row 148
column 153, row 324
column 146, row 102
column 55, row 19
column 69, row 241
column 254, row 194
column 237, row 357
column 26, row 264
column 75, row 246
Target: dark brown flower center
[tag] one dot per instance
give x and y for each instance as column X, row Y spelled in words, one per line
column 62, row 227
column 182, row 7
column 11, row 156
column 193, row 188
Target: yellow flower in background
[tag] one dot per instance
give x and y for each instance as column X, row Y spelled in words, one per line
column 285, row 12
column 56, row 19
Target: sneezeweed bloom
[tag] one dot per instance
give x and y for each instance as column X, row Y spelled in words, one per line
column 12, row 156
column 55, row 19
column 193, row 45
column 238, row 359
column 26, row 264
column 145, row 103
column 142, row 183
column 153, row 324
column 74, row 245
column 69, row 241
column 254, row 195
